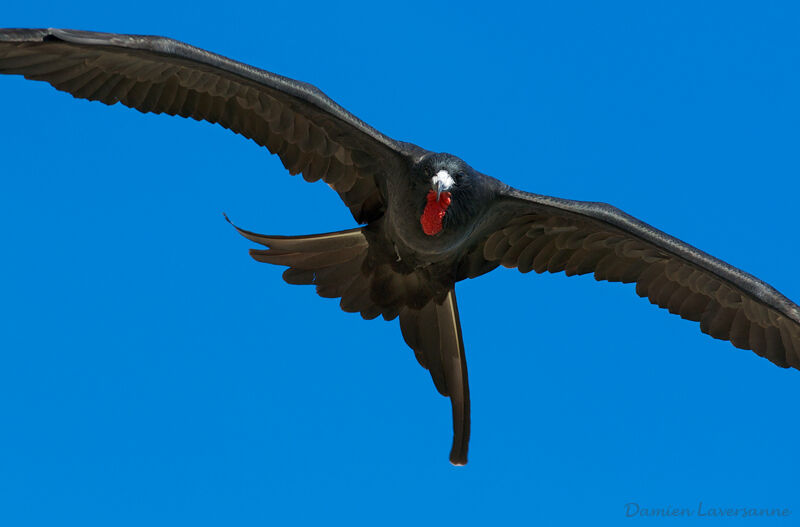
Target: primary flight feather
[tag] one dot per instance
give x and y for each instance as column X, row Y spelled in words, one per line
column 428, row 219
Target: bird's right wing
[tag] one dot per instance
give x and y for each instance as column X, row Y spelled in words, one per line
column 309, row 132
column 541, row 233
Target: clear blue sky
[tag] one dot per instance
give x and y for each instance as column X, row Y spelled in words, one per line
column 151, row 373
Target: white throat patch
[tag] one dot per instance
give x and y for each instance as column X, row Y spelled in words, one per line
column 443, row 177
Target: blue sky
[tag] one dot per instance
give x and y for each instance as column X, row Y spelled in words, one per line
column 152, row 373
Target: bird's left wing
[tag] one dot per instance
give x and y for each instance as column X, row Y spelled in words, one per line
column 541, row 233
column 307, row 130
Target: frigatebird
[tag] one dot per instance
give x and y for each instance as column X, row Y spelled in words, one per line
column 428, row 220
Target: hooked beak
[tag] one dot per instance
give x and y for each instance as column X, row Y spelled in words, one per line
column 441, row 182
column 439, row 187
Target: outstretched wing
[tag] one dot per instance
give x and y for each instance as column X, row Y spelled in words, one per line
column 309, row 132
column 434, row 333
column 542, row 233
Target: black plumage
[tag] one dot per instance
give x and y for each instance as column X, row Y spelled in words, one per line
column 429, row 219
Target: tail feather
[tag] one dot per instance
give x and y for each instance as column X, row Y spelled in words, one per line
column 340, row 264
column 306, row 260
column 434, row 333
column 333, row 262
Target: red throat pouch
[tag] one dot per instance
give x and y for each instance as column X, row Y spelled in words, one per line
column 433, row 214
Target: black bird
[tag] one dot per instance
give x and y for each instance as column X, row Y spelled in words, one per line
column 429, row 219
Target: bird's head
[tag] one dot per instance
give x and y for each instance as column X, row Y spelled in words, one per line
column 443, row 182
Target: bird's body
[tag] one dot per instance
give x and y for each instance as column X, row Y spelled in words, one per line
column 429, row 220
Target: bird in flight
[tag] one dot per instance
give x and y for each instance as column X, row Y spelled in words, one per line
column 428, row 219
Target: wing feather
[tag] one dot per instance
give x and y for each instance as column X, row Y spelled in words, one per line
column 583, row 237
column 308, row 131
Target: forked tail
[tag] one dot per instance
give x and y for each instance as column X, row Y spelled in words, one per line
column 331, row 261
column 434, row 333
column 340, row 266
